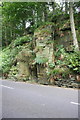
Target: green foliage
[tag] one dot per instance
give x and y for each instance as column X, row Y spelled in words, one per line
column 13, row 72
column 0, row 59
column 78, row 36
column 49, row 41
column 51, row 65
column 9, row 53
column 59, row 62
column 43, row 31
column 55, row 72
column 59, row 50
column 59, row 73
column 7, row 59
column 22, row 40
column 73, row 61
column 45, row 27
column 48, row 23
column 41, row 60
column 15, row 16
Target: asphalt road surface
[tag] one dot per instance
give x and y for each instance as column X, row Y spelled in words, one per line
column 24, row 100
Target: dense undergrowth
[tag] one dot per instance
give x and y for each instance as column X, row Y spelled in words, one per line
column 64, row 65
column 9, row 53
column 43, row 51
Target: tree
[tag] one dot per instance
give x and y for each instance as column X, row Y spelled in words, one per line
column 75, row 42
column 66, row 7
column 15, row 16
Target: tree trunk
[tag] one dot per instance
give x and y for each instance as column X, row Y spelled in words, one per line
column 52, row 35
column 75, row 42
column 6, row 40
column 66, row 7
column 53, row 31
column 45, row 13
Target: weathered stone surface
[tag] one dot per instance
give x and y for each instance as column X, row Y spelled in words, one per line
column 67, row 83
column 78, row 78
column 44, row 49
column 24, row 59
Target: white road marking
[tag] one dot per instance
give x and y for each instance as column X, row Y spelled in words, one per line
column 75, row 103
column 7, row 87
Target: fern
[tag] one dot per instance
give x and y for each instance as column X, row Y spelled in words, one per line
column 41, row 60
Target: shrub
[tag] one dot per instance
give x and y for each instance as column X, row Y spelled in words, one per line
column 8, row 55
column 59, row 50
column 22, row 40
column 41, row 60
column 6, row 61
column 59, row 73
column 59, row 62
column 13, row 72
column 51, row 65
column 73, row 61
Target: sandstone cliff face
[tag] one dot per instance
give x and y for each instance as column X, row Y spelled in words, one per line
column 44, row 51
column 23, row 59
column 37, row 59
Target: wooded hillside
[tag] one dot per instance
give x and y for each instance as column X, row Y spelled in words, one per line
column 41, row 42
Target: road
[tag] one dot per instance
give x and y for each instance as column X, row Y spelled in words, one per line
column 25, row 100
